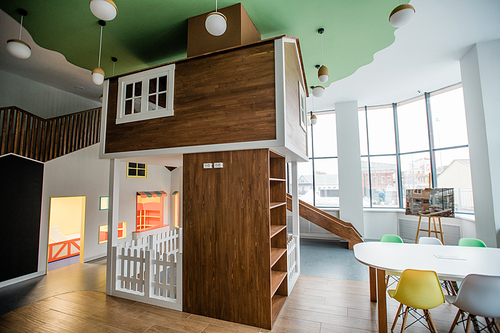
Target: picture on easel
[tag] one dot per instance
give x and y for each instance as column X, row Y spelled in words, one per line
column 430, row 202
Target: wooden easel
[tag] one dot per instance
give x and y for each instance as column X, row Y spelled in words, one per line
column 429, row 229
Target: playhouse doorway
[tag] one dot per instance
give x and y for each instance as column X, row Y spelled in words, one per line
column 66, row 231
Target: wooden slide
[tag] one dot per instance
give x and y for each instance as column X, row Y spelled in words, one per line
column 336, row 226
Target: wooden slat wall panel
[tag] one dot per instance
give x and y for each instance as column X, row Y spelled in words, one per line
column 226, row 237
column 25, row 134
column 223, row 98
column 294, row 131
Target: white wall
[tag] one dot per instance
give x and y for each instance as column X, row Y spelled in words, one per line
column 40, row 99
column 81, row 173
column 349, row 162
column 480, row 69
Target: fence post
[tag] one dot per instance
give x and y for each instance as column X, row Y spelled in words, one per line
column 113, row 271
column 147, row 272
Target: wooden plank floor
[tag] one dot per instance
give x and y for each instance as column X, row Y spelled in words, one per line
column 316, row 305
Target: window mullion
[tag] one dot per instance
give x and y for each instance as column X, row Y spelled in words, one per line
column 398, row 157
column 431, row 139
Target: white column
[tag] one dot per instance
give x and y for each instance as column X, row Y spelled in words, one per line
column 480, row 69
column 295, row 209
column 349, row 161
column 113, row 209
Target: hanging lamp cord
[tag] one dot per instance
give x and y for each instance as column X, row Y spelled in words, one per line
column 322, row 59
column 216, row 5
column 21, row 27
column 100, row 46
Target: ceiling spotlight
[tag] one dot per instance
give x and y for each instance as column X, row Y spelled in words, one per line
column 314, row 119
column 98, row 73
column 216, row 22
column 401, row 15
column 318, row 91
column 17, row 47
column 103, row 9
column 323, row 74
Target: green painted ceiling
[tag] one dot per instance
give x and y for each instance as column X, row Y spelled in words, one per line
column 151, row 32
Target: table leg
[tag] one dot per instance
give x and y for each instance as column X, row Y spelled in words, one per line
column 382, row 301
column 373, row 284
column 418, row 229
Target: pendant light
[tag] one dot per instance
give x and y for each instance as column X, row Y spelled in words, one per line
column 318, row 91
column 323, row 74
column 17, row 47
column 103, row 9
column 98, row 73
column 401, row 15
column 314, row 119
column 216, row 22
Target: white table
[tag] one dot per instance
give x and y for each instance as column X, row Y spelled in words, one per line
column 449, row 262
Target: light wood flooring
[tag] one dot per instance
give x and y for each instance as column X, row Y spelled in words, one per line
column 316, row 305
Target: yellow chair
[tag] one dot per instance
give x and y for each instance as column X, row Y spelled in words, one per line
column 417, row 290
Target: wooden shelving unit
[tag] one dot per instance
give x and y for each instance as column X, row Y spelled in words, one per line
column 278, row 234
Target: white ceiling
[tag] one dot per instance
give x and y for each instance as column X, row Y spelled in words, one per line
column 425, row 56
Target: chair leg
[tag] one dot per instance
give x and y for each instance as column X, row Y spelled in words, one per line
column 455, row 321
column 397, row 316
column 496, row 324
column 467, row 327
column 428, row 317
column 404, row 319
column 489, row 325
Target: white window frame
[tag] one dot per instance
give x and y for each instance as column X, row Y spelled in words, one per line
column 144, row 77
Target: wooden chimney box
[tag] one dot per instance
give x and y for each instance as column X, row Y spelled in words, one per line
column 240, row 31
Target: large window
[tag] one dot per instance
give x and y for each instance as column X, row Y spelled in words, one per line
column 416, row 144
column 318, row 179
column 413, row 144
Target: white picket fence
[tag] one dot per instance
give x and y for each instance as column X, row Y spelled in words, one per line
column 293, row 267
column 149, row 269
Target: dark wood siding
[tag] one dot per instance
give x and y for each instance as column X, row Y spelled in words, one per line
column 220, row 98
column 226, row 268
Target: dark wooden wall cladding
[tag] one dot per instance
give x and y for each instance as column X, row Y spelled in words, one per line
column 28, row 135
column 226, row 243
column 220, row 98
column 20, row 204
column 293, row 70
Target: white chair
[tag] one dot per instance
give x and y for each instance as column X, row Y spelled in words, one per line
column 429, row 241
column 479, row 295
column 447, row 285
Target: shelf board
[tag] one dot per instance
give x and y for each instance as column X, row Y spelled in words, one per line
column 276, row 204
column 275, row 229
column 276, row 278
column 278, row 302
column 276, row 254
column 277, row 179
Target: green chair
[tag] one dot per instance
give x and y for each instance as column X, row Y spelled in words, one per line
column 417, row 289
column 389, row 274
column 473, row 242
column 391, row 239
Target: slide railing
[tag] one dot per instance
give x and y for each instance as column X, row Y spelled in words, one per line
column 336, row 226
